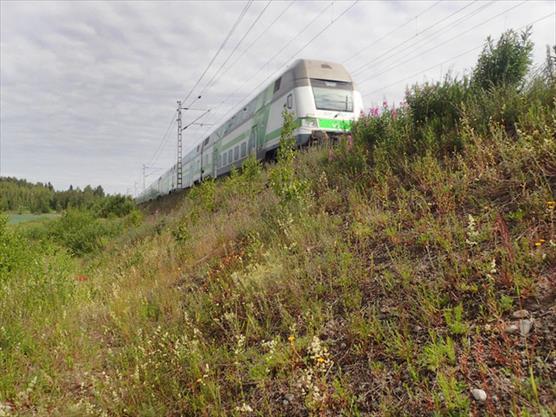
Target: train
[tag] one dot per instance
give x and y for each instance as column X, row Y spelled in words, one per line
column 321, row 97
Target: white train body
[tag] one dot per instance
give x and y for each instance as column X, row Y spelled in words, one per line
column 322, row 98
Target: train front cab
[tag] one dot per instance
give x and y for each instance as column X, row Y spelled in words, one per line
column 326, row 101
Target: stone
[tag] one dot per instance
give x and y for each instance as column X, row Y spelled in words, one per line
column 525, row 327
column 479, row 394
column 512, row 328
column 289, row 397
column 520, row 314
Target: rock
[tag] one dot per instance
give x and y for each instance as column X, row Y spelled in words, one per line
column 479, row 394
column 525, row 327
column 289, row 397
column 520, row 314
column 512, row 328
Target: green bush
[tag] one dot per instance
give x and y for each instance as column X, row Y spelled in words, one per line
column 505, row 63
column 81, row 232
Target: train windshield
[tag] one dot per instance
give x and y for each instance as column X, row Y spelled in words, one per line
column 333, row 95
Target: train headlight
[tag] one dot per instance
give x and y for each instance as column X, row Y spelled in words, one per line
column 309, row 122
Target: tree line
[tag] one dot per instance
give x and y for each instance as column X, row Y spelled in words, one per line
column 19, row 195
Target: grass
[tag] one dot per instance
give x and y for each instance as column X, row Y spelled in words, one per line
column 28, row 217
column 373, row 278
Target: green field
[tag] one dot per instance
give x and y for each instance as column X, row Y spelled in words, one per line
column 29, row 217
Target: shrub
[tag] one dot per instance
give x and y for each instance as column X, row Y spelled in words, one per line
column 506, row 63
column 81, row 232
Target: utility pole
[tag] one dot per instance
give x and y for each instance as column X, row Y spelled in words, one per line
column 179, row 165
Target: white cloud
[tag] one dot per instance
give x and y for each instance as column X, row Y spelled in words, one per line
column 88, row 88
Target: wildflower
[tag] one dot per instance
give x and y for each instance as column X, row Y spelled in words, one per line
column 551, row 204
column 245, row 408
column 537, row 244
column 472, row 232
column 320, row 359
column 291, row 338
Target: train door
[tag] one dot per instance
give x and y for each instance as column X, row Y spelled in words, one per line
column 254, row 145
column 215, row 162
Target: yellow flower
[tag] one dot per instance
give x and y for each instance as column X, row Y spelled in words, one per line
column 537, row 244
column 551, row 204
column 291, row 338
column 320, row 359
column 541, row 240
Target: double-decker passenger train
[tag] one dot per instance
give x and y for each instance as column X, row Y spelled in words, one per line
column 320, row 95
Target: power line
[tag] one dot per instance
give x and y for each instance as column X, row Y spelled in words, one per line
column 389, row 33
column 162, row 142
column 443, row 43
column 259, row 37
column 271, row 59
column 164, row 139
column 452, row 58
column 230, row 33
column 212, row 80
column 286, row 62
column 372, row 61
column 282, row 49
column 442, row 30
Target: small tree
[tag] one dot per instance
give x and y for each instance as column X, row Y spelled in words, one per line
column 287, row 139
column 282, row 177
column 505, row 63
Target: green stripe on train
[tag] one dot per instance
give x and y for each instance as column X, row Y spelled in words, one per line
column 323, row 124
column 335, row 124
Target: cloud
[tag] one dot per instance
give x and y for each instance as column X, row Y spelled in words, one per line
column 89, row 88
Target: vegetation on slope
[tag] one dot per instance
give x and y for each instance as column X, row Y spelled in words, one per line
column 386, row 276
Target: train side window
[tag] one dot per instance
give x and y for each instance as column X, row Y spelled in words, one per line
column 224, row 159
column 289, row 101
column 243, row 149
column 230, row 156
column 277, row 84
column 236, row 153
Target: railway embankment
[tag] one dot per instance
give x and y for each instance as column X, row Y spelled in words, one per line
column 410, row 271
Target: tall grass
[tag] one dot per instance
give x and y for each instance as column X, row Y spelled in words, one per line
column 374, row 278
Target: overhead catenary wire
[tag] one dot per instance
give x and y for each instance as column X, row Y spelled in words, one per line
column 411, row 38
column 420, row 41
column 260, row 36
column 322, row 11
column 164, row 139
column 421, row 53
column 397, row 28
column 222, row 45
column 451, row 58
column 213, row 80
column 286, row 62
column 279, row 51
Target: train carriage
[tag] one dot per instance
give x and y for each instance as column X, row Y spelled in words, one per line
column 321, row 96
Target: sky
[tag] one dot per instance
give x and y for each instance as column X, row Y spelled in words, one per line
column 88, row 90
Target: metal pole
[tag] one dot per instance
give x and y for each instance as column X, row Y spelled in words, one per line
column 179, row 164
